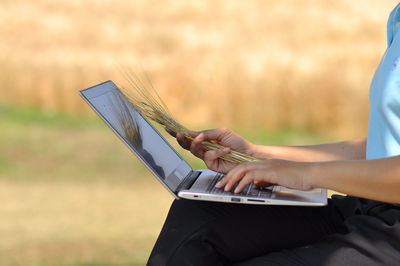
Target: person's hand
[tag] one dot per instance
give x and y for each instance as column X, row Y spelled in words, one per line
column 289, row 174
column 221, row 136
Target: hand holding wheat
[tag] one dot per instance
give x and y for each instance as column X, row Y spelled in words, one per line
column 214, row 158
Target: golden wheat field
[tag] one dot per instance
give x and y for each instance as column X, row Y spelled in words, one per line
column 281, row 72
column 280, row 61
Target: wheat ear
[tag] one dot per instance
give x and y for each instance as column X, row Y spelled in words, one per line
column 143, row 96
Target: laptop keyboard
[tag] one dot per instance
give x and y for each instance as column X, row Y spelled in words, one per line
column 250, row 190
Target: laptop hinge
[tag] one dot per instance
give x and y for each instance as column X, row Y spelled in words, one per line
column 188, row 181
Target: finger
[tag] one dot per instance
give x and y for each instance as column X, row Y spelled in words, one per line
column 235, row 177
column 253, row 172
column 215, row 134
column 193, row 134
column 247, row 179
column 211, row 156
column 225, row 179
column 195, row 146
column 222, row 183
column 183, row 141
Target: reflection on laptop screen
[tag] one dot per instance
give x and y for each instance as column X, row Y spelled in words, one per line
column 141, row 137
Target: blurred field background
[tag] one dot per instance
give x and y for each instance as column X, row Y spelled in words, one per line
column 279, row 72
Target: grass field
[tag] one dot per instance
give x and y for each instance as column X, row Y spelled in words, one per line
column 69, row 191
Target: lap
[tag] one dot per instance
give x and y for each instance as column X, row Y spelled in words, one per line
column 372, row 238
column 234, row 232
column 348, row 230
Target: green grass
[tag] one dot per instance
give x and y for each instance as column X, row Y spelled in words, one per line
column 283, row 137
column 38, row 145
column 70, row 191
column 35, row 116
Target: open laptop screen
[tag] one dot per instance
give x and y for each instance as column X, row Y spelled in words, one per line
column 137, row 133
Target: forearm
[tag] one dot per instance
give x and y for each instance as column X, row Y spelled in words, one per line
column 372, row 179
column 346, row 150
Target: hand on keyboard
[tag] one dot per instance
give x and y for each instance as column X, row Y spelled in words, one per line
column 289, row 174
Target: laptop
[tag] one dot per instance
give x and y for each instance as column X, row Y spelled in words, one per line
column 165, row 163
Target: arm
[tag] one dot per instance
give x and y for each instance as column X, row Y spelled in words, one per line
column 372, row 179
column 346, row 150
column 337, row 166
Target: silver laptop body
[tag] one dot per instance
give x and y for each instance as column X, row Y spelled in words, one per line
column 174, row 173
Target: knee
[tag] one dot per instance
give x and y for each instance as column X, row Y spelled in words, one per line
column 198, row 249
column 188, row 235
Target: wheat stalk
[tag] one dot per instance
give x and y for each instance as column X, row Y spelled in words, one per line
column 143, row 96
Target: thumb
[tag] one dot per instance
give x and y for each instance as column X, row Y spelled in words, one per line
column 212, row 155
column 194, row 134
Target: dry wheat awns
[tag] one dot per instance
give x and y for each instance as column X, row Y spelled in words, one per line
column 143, row 96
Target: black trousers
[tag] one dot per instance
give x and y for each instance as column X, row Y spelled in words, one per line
column 348, row 231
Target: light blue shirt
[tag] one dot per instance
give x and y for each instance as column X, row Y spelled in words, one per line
column 384, row 118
